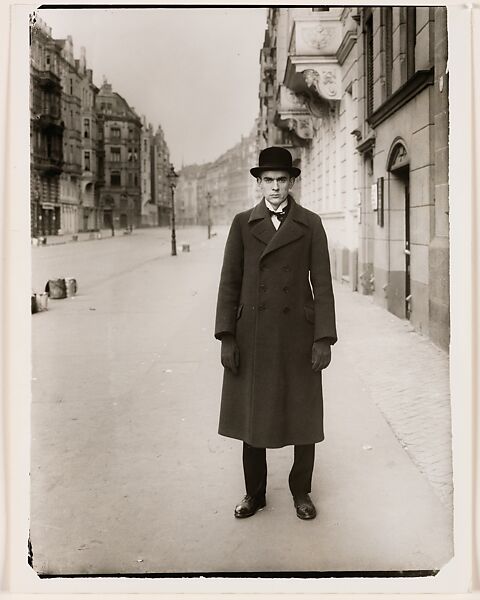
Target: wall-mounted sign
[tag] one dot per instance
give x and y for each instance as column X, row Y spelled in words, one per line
column 373, row 196
column 380, row 200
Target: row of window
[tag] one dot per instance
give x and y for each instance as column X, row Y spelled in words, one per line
column 116, row 179
column 116, row 155
column 407, row 48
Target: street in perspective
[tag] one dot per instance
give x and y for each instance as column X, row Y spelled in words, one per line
column 335, row 120
column 129, row 474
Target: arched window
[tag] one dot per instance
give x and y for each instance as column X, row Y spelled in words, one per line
column 398, row 157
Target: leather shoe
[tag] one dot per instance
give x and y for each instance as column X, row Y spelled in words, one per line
column 249, row 506
column 304, row 507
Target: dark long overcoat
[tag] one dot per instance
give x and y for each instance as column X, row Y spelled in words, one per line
column 265, row 300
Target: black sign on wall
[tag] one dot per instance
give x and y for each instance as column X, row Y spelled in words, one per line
column 380, row 201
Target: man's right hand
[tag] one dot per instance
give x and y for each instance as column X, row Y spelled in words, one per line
column 230, row 353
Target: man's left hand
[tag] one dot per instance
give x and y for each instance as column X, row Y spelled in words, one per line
column 321, row 355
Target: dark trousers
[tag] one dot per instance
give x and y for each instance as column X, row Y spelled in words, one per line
column 255, row 470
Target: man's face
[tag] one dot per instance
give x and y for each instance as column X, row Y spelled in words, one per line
column 275, row 185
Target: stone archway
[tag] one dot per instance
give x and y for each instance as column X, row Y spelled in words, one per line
column 399, row 297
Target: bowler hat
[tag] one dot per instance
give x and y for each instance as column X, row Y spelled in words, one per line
column 275, row 158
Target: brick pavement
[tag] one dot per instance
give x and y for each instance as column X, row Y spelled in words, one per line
column 408, row 379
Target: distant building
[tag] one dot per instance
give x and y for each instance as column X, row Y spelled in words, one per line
column 187, row 199
column 161, row 168
column 120, row 195
column 149, row 210
column 46, row 133
column 72, row 169
column 90, row 217
column 220, row 189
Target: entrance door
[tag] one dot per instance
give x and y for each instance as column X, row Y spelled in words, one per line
column 408, row 295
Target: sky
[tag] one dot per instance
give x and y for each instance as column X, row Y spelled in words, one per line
column 193, row 71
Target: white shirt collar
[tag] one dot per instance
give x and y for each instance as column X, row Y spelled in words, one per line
column 279, row 208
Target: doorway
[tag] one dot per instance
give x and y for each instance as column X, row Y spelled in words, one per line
column 399, row 295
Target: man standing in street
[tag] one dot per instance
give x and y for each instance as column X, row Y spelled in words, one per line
column 276, row 322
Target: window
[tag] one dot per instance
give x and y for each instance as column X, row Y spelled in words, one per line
column 369, row 64
column 135, row 180
column 388, row 49
column 115, row 132
column 130, row 155
column 115, row 178
column 71, row 87
column 130, row 180
column 411, row 39
column 86, row 128
column 115, row 155
column 86, row 157
column 145, row 145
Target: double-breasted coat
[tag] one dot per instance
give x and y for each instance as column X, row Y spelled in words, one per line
column 275, row 296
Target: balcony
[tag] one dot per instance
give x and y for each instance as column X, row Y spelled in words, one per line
column 50, row 120
column 312, row 64
column 47, row 164
column 292, row 114
column 48, row 79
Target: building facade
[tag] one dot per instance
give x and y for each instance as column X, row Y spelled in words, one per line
column 94, row 163
column 404, row 239
column 46, row 133
column 149, row 210
column 361, row 95
column 120, row 135
column 162, row 187
column 216, row 191
column 90, row 217
column 187, row 198
column 72, row 169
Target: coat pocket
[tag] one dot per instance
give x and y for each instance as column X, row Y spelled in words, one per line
column 239, row 311
column 309, row 314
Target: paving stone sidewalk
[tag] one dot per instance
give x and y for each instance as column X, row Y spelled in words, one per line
column 408, row 379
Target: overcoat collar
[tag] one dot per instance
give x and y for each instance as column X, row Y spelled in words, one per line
column 290, row 230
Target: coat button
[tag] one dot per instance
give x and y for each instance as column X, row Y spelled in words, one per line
column 285, row 288
column 286, row 309
column 263, row 287
column 261, row 307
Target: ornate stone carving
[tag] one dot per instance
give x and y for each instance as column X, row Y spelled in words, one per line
column 303, row 127
column 317, row 36
column 323, row 82
column 290, row 100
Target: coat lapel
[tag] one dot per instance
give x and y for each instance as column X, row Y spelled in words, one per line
column 289, row 231
column 262, row 226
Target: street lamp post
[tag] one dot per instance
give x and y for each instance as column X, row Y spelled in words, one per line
column 172, row 177
column 209, row 221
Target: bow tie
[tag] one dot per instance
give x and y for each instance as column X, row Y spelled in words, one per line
column 281, row 214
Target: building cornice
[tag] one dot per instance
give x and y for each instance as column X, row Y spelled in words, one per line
column 418, row 82
column 367, row 144
column 348, row 42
